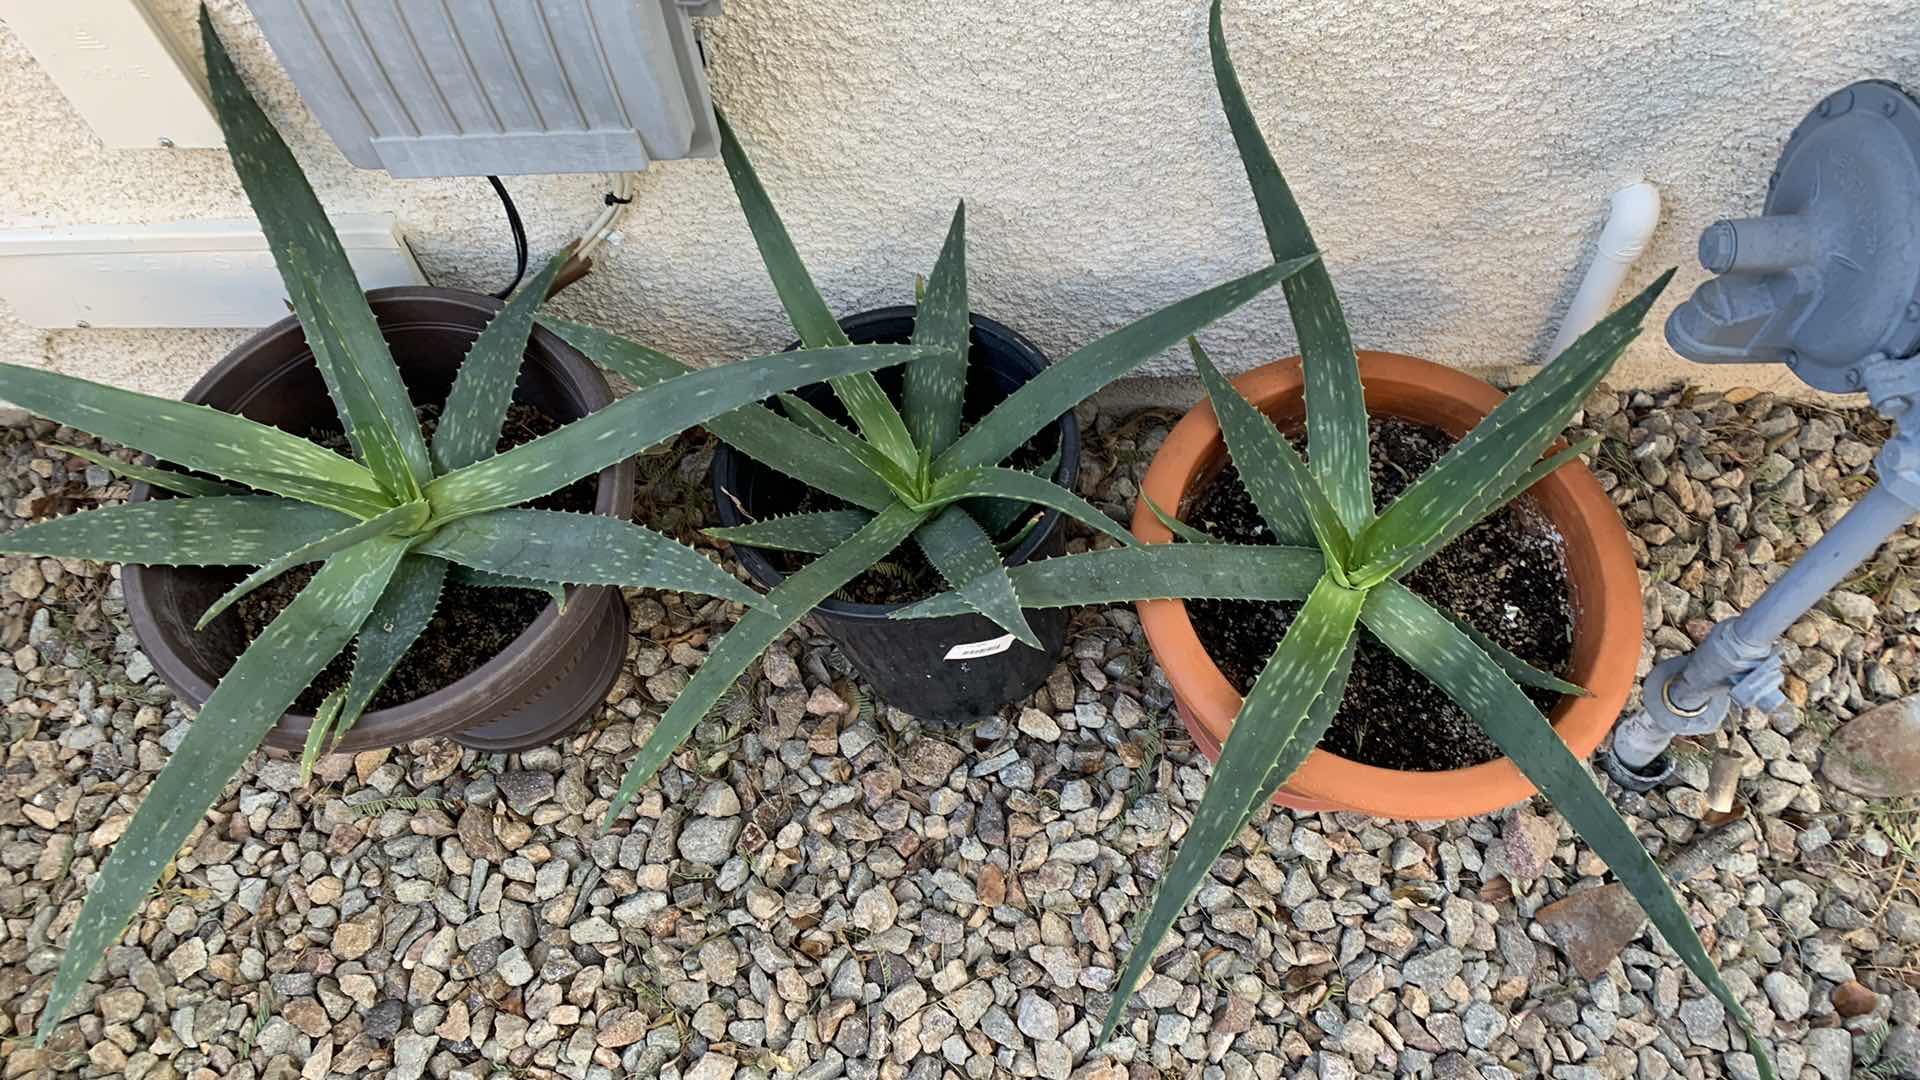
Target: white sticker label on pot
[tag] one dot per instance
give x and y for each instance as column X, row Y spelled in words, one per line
column 974, row 650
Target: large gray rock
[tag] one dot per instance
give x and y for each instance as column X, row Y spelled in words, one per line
column 1877, row 754
column 708, row 841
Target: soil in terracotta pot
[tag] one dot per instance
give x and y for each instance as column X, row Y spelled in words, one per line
column 472, row 624
column 1505, row 576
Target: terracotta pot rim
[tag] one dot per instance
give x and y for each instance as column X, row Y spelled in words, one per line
column 1601, row 571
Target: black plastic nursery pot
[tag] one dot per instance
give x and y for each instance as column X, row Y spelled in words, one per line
column 948, row 670
column 555, row 672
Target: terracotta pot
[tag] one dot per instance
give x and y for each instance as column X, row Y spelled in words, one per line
column 1604, row 584
column 555, row 672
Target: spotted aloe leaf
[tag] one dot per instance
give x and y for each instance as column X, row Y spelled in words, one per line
column 751, row 636
column 936, row 388
column 758, row 432
column 1516, row 669
column 399, row 521
column 1288, row 497
column 199, row 438
column 476, row 407
column 1063, row 385
column 1433, row 645
column 1000, row 516
column 233, row 530
column 814, row 533
column 581, row 549
column 1319, row 718
column 346, row 341
column 487, row 579
column 1504, row 447
column 997, row 483
column 964, row 555
column 325, row 719
column 1336, row 405
column 261, row 686
column 153, row 475
column 1152, row 572
column 396, row 622
column 638, row 421
column 1460, row 524
column 1270, row 728
column 872, row 411
column 897, row 477
column 1180, row 529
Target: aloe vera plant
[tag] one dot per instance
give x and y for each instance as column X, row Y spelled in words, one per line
column 906, row 472
column 389, row 525
column 1344, row 563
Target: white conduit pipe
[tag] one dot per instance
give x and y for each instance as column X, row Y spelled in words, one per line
column 1631, row 216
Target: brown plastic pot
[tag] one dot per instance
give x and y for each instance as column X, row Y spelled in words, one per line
column 1604, row 584
column 553, row 674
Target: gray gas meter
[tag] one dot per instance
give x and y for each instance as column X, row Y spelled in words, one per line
column 1827, row 282
column 1829, row 274
column 479, row 87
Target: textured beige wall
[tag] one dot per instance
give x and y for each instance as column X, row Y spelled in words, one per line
column 1454, row 158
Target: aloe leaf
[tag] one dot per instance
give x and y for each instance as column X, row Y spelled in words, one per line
column 642, row 419
column 813, row 533
column 1319, row 717
column 1013, row 542
column 1153, row 572
column 582, row 549
column 999, row 516
column 1517, row 669
column 754, row 430
column 1492, row 500
column 347, row 344
column 872, row 411
column 751, row 636
column 487, row 579
column 476, row 407
column 262, row 684
column 397, row 521
column 233, row 530
column 965, row 556
column 397, row 621
column 348, row 500
column 324, row 719
column 1269, row 731
column 1504, row 447
column 936, row 388
column 166, row 479
column 1336, row 404
column 1180, row 529
column 1290, row 500
column 195, row 437
column 871, row 459
column 1435, row 647
column 998, row 483
column 1055, row 391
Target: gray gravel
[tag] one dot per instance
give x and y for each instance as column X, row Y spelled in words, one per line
column 821, row 887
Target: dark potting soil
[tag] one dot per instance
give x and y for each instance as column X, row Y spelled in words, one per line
column 472, row 625
column 1505, row 576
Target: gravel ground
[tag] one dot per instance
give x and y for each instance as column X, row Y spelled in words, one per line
column 819, row 887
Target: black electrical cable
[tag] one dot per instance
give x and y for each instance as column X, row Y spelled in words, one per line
column 519, row 237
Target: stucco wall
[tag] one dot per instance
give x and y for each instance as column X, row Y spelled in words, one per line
column 1454, row 159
